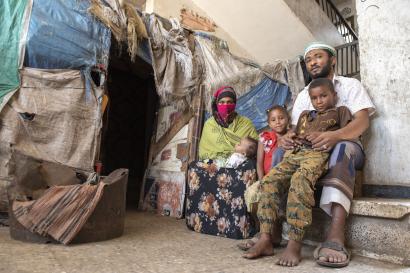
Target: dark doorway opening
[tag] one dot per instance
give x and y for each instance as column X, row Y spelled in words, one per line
column 129, row 119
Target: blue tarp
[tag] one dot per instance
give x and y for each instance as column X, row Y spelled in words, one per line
column 62, row 34
column 263, row 96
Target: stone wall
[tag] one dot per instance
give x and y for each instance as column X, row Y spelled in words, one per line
column 384, row 40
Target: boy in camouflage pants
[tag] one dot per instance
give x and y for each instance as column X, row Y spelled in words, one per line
column 297, row 174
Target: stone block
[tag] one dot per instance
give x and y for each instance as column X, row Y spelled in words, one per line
column 376, row 228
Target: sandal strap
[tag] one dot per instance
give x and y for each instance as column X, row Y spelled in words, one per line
column 333, row 245
column 330, row 245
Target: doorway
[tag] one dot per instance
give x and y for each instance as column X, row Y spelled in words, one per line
column 129, row 119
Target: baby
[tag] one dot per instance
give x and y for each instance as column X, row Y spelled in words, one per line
column 245, row 149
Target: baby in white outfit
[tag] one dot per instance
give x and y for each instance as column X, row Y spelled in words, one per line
column 245, row 149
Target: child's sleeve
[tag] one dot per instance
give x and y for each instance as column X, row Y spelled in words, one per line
column 302, row 117
column 345, row 116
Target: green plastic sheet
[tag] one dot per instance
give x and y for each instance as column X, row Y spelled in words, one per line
column 11, row 25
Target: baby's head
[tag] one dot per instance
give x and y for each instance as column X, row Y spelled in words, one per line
column 278, row 119
column 322, row 94
column 247, row 146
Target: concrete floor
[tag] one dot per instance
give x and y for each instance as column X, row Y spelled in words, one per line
column 156, row 244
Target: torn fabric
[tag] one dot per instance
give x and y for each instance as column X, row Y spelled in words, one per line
column 123, row 20
column 52, row 118
column 222, row 68
column 177, row 70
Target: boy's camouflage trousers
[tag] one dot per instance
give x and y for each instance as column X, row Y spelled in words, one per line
column 297, row 173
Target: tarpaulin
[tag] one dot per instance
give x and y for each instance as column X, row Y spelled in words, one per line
column 223, row 68
column 288, row 72
column 163, row 189
column 263, row 96
column 177, row 70
column 12, row 14
column 164, row 193
column 63, row 35
column 166, row 118
column 166, row 159
column 51, row 119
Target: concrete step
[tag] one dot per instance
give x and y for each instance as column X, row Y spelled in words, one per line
column 376, row 228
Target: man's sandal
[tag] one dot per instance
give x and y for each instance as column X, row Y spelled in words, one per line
column 334, row 246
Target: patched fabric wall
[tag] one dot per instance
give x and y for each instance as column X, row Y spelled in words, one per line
column 54, row 116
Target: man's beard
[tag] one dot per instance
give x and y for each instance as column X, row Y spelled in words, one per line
column 324, row 73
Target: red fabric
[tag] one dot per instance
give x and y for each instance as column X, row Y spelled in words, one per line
column 225, row 109
column 223, row 89
column 269, row 141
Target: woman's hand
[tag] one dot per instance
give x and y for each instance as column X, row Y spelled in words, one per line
column 288, row 141
column 323, row 141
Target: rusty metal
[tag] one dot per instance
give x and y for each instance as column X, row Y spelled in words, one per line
column 106, row 222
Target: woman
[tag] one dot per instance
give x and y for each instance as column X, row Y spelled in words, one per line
column 225, row 128
column 215, row 203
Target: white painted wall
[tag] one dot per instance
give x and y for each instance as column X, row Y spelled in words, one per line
column 384, row 39
column 268, row 29
column 263, row 30
column 169, row 9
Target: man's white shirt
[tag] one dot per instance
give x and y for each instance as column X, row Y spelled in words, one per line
column 350, row 93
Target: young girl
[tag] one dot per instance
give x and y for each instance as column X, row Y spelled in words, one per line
column 268, row 155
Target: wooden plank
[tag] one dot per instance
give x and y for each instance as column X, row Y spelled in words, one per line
column 167, row 137
column 196, row 125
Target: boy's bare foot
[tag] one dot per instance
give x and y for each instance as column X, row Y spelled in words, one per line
column 292, row 254
column 263, row 247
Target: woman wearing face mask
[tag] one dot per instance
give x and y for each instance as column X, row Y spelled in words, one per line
column 215, row 200
column 225, row 128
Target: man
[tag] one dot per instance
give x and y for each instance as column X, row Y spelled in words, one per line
column 338, row 183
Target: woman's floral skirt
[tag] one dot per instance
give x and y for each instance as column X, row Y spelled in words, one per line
column 215, row 203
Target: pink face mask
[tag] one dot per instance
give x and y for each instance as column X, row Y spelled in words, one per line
column 225, row 109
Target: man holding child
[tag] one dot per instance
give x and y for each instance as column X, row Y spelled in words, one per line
column 346, row 155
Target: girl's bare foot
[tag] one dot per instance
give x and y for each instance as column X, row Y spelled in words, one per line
column 263, row 247
column 276, row 238
column 292, row 254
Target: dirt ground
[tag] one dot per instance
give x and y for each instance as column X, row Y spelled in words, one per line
column 154, row 243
